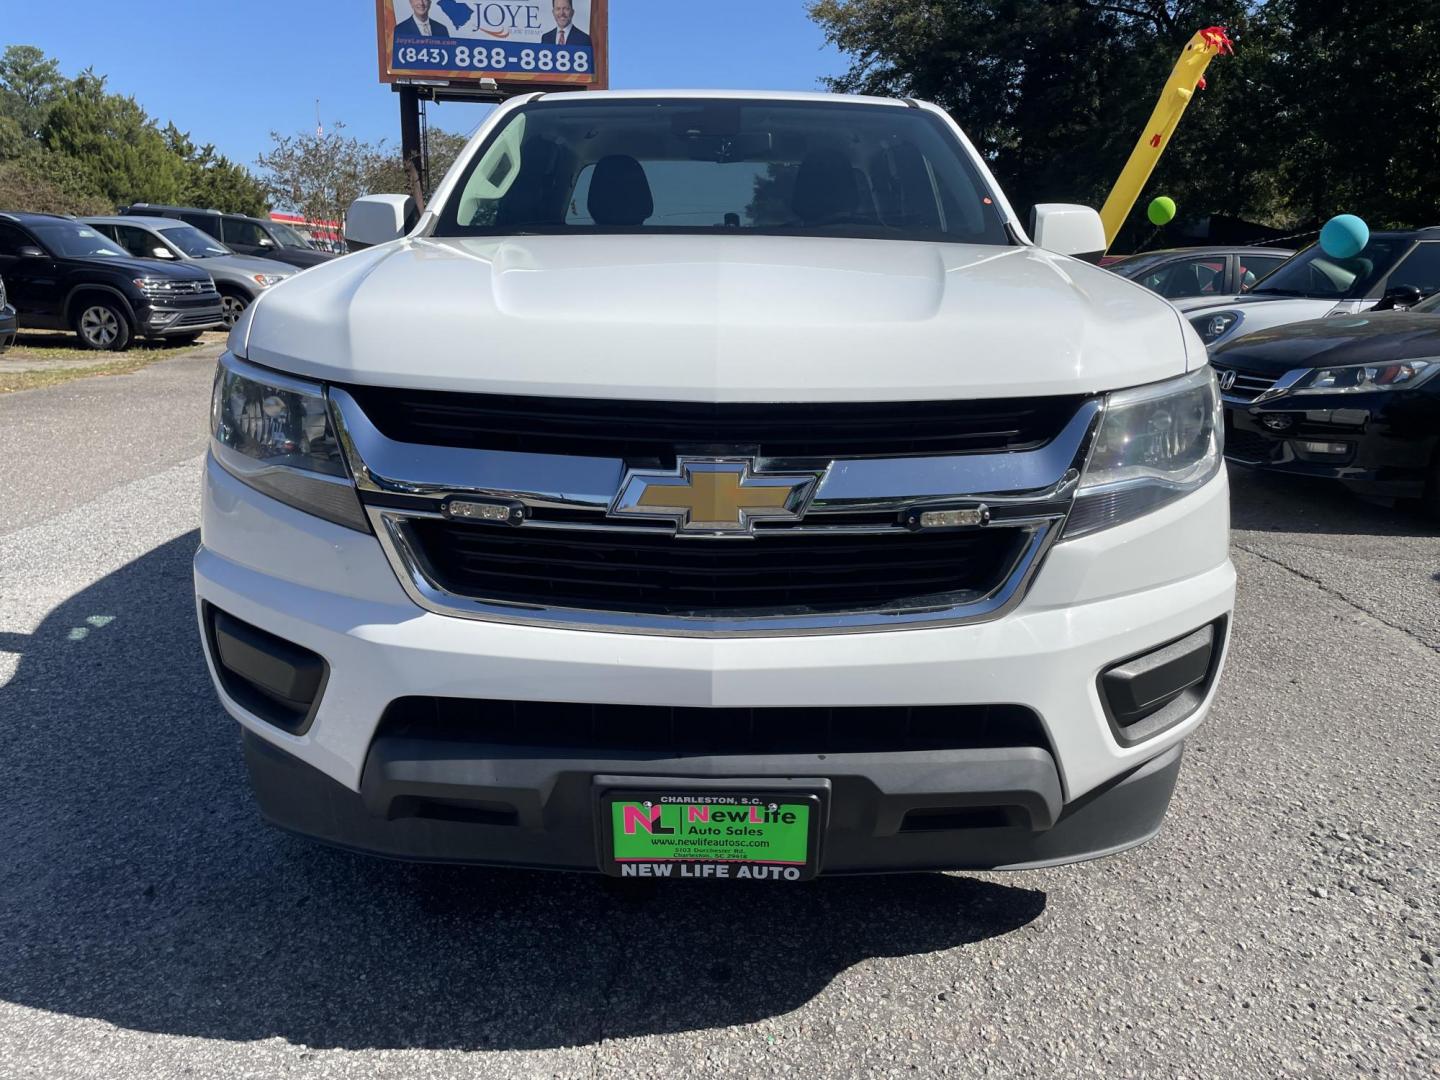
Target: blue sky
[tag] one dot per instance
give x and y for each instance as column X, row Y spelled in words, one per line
column 230, row 71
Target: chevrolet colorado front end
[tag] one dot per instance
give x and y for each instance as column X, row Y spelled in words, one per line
column 716, row 485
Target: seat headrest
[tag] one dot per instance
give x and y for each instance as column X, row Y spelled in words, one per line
column 619, row 192
column 825, row 187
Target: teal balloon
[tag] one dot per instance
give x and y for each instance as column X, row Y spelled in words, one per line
column 1161, row 211
column 1344, row 236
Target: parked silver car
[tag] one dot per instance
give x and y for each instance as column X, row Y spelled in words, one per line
column 239, row 278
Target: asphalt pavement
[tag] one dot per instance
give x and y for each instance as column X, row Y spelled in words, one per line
column 1284, row 923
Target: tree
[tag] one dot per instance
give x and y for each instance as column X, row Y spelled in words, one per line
column 30, row 82
column 1324, row 107
column 214, row 181
column 319, row 174
column 113, row 144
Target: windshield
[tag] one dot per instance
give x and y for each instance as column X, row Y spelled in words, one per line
column 1313, row 273
column 779, row 168
column 194, row 243
column 69, row 240
column 287, row 236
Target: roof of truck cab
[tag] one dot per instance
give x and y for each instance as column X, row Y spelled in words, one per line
column 721, row 95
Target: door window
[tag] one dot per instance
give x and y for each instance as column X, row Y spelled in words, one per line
column 1255, row 267
column 1187, row 277
column 12, row 240
column 242, row 232
column 1421, row 268
column 137, row 242
column 207, row 223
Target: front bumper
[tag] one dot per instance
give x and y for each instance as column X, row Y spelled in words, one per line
column 1098, row 600
column 1379, row 444
column 179, row 318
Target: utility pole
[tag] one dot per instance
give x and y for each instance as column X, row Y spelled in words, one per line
column 411, row 150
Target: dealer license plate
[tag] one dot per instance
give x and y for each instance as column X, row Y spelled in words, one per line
column 761, row 835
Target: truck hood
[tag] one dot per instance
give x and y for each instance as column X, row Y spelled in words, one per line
column 725, row 318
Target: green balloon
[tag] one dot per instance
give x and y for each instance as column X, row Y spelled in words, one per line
column 1162, row 211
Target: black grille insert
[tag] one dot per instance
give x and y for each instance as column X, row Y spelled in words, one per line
column 661, row 574
column 665, row 731
column 656, row 430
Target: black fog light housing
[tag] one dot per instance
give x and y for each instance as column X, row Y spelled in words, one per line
column 277, row 680
column 1157, row 689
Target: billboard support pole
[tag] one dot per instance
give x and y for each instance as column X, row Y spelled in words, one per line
column 411, row 151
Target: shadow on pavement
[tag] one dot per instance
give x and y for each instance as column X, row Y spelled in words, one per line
column 1269, row 502
column 140, row 887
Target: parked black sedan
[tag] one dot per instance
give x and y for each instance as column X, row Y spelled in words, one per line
column 1351, row 397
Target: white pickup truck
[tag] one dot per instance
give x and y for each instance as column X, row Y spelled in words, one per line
column 716, row 485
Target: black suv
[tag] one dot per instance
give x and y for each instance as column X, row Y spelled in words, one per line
column 62, row 274
column 242, row 235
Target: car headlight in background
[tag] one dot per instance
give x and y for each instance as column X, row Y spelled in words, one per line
column 1156, row 444
column 273, row 432
column 1212, row 328
column 1367, row 378
column 266, row 280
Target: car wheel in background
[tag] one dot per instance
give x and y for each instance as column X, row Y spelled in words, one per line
column 100, row 324
column 231, row 306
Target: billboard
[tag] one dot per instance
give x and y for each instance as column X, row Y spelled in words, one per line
column 545, row 42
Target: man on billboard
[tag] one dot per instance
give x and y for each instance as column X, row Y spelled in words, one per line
column 420, row 25
column 565, row 32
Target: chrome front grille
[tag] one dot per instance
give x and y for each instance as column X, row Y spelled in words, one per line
column 167, row 290
column 854, row 560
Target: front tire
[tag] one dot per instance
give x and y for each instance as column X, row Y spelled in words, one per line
column 103, row 326
column 232, row 306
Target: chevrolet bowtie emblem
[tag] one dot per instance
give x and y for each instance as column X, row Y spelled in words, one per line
column 714, row 496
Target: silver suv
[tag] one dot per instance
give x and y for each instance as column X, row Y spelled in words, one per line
column 239, row 278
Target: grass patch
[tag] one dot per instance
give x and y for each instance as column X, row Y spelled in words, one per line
column 39, row 359
column 122, row 364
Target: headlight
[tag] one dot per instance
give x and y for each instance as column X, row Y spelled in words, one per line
column 274, row 433
column 1155, row 444
column 1212, row 328
column 1366, row 378
column 266, row 280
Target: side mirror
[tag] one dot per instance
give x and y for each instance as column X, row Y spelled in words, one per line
column 1069, row 230
column 30, row 251
column 1400, row 297
column 265, row 241
column 161, row 253
column 378, row 219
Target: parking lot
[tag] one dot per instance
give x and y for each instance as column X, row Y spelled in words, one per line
column 1284, row 923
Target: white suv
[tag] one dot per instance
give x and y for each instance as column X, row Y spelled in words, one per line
column 716, row 486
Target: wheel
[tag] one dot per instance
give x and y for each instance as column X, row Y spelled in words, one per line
column 231, row 306
column 101, row 325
